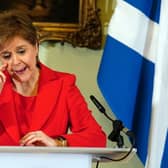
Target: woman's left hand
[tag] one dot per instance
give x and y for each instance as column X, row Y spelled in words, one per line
column 37, row 138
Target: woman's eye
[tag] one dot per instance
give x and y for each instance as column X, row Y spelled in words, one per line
column 21, row 51
column 6, row 55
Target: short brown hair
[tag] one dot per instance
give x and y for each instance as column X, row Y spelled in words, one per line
column 17, row 23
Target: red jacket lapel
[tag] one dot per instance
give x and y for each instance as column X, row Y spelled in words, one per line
column 45, row 105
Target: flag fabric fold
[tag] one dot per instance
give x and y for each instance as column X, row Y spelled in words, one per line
column 129, row 74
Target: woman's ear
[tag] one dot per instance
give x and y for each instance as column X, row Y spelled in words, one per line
column 37, row 55
column 37, row 43
column 37, row 48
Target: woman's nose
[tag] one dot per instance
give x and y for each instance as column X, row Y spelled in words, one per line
column 15, row 59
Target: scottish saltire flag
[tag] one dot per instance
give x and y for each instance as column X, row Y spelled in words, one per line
column 133, row 74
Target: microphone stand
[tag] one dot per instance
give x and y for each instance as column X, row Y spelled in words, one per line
column 115, row 135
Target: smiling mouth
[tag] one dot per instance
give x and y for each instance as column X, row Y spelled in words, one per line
column 20, row 70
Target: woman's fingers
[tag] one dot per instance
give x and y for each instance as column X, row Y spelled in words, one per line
column 3, row 67
column 2, row 75
column 37, row 138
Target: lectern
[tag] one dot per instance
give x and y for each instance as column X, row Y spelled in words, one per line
column 57, row 157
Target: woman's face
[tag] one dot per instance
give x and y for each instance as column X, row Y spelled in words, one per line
column 20, row 58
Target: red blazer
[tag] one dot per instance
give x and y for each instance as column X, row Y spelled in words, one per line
column 57, row 107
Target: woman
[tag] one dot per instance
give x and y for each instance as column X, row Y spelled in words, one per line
column 38, row 105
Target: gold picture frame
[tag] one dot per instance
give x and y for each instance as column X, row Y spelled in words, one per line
column 85, row 33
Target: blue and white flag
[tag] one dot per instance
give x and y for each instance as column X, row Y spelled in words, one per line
column 133, row 74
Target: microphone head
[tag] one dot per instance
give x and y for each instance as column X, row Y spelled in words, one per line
column 97, row 104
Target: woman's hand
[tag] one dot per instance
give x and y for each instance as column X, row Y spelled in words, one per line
column 2, row 76
column 37, row 138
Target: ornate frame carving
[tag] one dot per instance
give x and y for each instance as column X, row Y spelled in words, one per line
column 86, row 33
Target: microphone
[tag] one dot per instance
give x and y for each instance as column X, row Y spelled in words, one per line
column 117, row 125
column 98, row 105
